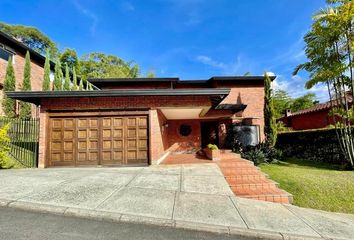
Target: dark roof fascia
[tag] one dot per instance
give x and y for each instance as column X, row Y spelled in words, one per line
column 232, row 107
column 23, row 48
column 130, row 80
column 100, row 81
column 240, row 78
column 36, row 96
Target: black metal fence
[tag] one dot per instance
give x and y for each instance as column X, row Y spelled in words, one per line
column 24, row 136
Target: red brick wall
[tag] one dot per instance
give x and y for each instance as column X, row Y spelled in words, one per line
column 311, row 120
column 158, row 135
column 177, row 142
column 37, row 73
column 124, row 102
column 251, row 95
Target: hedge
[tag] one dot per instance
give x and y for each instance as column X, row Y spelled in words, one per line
column 314, row 145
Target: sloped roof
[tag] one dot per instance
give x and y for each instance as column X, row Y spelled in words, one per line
column 319, row 107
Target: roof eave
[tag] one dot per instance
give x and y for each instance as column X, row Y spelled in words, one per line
column 36, row 96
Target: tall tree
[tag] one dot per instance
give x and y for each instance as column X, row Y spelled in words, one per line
column 270, row 131
column 75, row 84
column 70, row 58
column 25, row 107
column 31, row 37
column 67, row 82
column 303, row 102
column 281, row 102
column 9, row 104
column 58, row 77
column 81, row 85
column 330, row 49
column 46, row 77
column 99, row 65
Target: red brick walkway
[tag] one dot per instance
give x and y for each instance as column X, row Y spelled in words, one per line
column 244, row 179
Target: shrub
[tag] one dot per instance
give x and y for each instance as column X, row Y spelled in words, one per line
column 262, row 153
column 4, row 147
column 212, row 146
column 255, row 155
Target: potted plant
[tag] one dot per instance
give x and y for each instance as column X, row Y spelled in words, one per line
column 212, row 152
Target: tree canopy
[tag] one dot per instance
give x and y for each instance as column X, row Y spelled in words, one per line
column 100, row 65
column 69, row 58
column 32, row 37
column 283, row 101
column 330, row 50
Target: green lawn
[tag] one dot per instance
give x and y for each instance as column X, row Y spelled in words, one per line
column 315, row 185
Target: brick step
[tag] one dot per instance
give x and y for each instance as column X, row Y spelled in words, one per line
column 230, row 164
column 236, row 171
column 253, row 186
column 281, row 197
column 235, row 181
column 227, row 151
column 245, row 177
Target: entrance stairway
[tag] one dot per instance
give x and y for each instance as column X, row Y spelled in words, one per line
column 247, row 181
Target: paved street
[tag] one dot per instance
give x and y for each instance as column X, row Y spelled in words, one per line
column 184, row 196
column 18, row 224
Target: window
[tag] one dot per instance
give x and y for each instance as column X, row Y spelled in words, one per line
column 185, row 130
column 5, row 53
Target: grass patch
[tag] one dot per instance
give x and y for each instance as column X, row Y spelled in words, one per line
column 315, row 185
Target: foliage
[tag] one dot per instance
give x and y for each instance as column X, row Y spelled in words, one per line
column 303, row 102
column 67, row 81
column 58, row 77
column 270, row 130
column 281, row 127
column 313, row 145
column 100, row 65
column 25, row 107
column 261, row 153
column 314, row 184
column 31, row 37
column 282, row 102
column 4, row 147
column 212, row 146
column 330, row 50
column 69, row 57
column 232, row 140
column 46, row 77
column 9, row 104
column 81, row 85
column 75, row 85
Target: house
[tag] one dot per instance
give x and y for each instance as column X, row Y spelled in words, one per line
column 141, row 121
column 317, row 116
column 10, row 46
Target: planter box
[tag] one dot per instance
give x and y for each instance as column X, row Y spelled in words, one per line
column 212, row 154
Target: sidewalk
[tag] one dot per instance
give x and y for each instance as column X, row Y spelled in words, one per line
column 185, row 196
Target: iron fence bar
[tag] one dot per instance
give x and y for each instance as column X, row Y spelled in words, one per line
column 24, row 136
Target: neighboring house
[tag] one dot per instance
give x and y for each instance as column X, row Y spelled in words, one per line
column 140, row 121
column 9, row 46
column 317, row 116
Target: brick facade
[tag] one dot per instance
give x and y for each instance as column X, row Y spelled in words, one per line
column 164, row 135
column 37, row 72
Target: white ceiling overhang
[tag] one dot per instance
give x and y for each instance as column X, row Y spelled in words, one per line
column 184, row 113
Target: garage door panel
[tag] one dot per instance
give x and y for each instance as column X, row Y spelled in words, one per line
column 98, row 140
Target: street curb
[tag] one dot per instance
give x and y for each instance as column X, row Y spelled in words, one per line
column 118, row 217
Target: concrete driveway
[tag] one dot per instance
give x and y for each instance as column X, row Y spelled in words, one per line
column 187, row 196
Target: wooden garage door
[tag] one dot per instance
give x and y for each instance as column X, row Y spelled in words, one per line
column 117, row 140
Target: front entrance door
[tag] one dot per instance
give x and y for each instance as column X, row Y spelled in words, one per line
column 210, row 133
